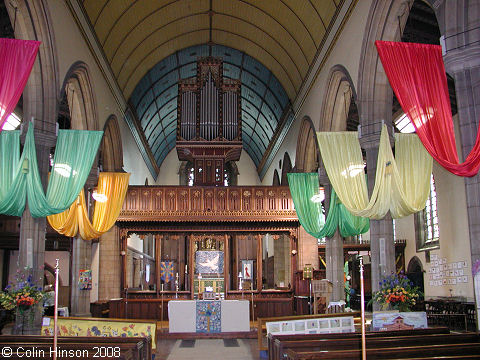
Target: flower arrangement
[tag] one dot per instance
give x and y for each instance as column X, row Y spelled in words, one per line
column 397, row 292
column 23, row 294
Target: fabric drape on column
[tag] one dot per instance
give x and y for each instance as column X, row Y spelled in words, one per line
column 12, row 189
column 417, row 76
column 304, row 187
column 16, row 62
column 403, row 189
column 114, row 186
column 74, row 155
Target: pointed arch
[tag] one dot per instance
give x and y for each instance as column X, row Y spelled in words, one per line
column 306, row 157
column 276, row 178
column 386, row 21
column 336, row 104
column 414, row 265
column 111, row 149
column 78, row 90
column 286, row 168
column 31, row 20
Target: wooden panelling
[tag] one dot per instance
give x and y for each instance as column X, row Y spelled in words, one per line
column 183, row 203
column 147, row 305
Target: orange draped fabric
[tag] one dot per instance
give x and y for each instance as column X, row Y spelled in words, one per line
column 114, row 186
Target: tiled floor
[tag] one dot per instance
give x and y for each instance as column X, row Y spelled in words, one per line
column 207, row 349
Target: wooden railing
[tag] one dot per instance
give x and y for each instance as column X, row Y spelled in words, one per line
column 206, row 203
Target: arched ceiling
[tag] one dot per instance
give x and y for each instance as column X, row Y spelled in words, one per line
column 286, row 36
column 155, row 98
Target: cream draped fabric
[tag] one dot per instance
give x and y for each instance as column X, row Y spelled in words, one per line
column 402, row 185
column 75, row 219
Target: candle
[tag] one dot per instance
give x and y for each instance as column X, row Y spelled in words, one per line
column 185, row 269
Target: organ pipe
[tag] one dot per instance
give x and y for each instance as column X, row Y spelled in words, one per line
column 204, row 95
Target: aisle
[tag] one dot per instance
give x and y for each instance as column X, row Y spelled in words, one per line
column 207, row 349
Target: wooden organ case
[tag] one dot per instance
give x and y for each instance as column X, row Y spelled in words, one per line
column 209, row 128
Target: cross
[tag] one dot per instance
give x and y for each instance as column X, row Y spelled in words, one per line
column 208, row 313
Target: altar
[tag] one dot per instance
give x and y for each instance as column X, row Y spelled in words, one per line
column 208, row 316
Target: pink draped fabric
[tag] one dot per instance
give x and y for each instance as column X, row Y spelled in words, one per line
column 16, row 62
column 417, row 76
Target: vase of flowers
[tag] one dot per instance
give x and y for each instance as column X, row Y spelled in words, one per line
column 22, row 296
column 397, row 293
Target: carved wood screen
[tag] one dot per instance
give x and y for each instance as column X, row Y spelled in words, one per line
column 203, row 203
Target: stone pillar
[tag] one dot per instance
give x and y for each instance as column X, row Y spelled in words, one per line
column 110, row 265
column 32, row 233
column 382, row 246
column 335, row 263
column 462, row 62
column 81, row 260
column 333, row 248
column 308, row 250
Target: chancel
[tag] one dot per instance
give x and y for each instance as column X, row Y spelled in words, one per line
column 240, row 177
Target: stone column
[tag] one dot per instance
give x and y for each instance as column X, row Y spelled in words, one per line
column 462, row 62
column 382, row 246
column 32, row 232
column 333, row 248
column 82, row 260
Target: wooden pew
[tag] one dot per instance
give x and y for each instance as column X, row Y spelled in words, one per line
column 392, row 350
column 275, row 342
column 96, row 347
column 376, row 342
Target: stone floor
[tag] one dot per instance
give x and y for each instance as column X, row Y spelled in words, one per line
column 207, row 349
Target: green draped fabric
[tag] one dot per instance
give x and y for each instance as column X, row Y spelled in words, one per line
column 12, row 189
column 303, row 187
column 74, row 155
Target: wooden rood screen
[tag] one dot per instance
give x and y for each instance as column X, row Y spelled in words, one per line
column 208, row 203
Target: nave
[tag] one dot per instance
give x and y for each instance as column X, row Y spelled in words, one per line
column 207, row 349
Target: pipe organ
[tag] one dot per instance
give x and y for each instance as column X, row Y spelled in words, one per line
column 209, row 128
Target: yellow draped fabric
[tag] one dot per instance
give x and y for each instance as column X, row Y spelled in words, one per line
column 402, row 185
column 114, row 186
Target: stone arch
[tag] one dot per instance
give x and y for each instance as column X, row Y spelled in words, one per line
column 415, row 273
column 111, row 150
column 276, row 178
column 77, row 88
column 286, row 168
column 31, row 20
column 336, row 104
column 414, row 265
column 306, row 157
column 386, row 21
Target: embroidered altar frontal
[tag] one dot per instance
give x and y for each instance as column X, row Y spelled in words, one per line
column 208, row 317
column 204, row 316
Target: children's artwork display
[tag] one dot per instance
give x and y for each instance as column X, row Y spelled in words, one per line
column 85, row 280
column 391, row 320
column 100, row 327
column 325, row 325
column 443, row 273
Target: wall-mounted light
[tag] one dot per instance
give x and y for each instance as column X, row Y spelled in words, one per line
column 294, row 252
column 122, row 252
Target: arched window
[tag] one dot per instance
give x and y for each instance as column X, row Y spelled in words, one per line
column 426, row 223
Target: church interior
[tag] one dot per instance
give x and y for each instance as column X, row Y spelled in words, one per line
column 208, row 113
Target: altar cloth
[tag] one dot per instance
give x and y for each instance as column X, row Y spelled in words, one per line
column 208, row 316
